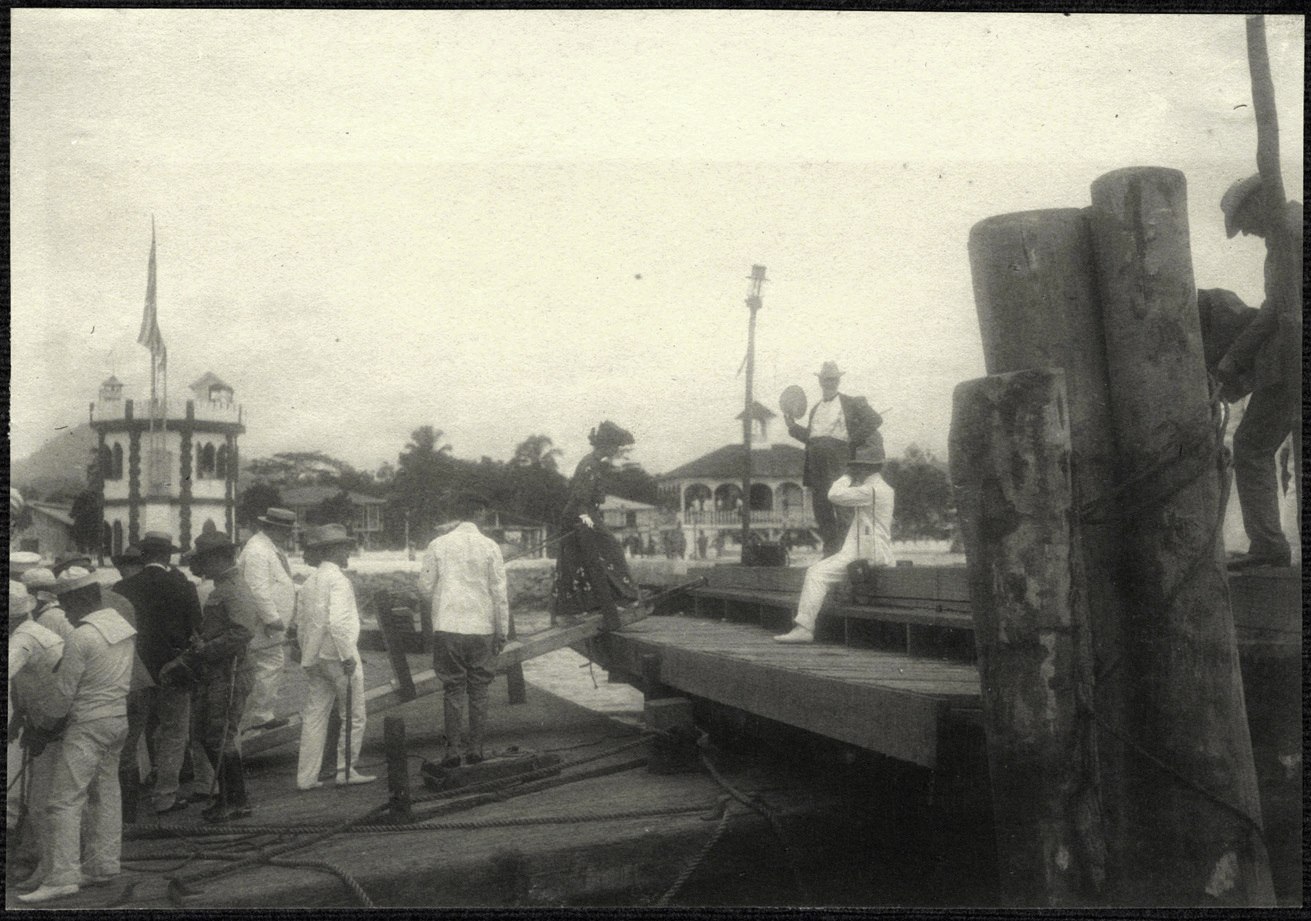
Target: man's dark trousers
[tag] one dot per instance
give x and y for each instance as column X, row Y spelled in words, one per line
column 828, row 461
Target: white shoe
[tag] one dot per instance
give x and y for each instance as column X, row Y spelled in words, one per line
column 309, row 786
column 799, row 634
column 89, row 879
column 356, row 778
column 48, row 893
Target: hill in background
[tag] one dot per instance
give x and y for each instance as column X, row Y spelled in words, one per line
column 57, row 469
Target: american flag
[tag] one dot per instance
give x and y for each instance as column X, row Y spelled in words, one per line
column 150, row 336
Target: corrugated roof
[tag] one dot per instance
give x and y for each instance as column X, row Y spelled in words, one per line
column 312, row 495
column 726, row 462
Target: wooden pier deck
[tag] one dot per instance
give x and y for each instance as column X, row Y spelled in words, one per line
column 885, row 701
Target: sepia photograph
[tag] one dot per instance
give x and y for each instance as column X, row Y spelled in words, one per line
column 654, row 459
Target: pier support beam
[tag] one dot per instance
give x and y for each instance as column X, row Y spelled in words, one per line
column 1010, row 462
column 1195, row 832
column 1035, row 289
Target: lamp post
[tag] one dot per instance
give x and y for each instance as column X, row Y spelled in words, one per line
column 757, row 278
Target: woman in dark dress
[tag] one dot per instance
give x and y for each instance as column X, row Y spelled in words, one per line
column 591, row 572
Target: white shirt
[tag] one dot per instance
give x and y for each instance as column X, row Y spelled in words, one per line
column 34, row 652
column 96, row 672
column 328, row 622
column 829, row 421
column 870, row 534
column 267, row 572
column 464, row 573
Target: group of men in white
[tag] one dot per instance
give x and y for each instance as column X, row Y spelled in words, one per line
column 97, row 673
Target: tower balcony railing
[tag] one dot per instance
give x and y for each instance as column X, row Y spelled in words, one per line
column 173, row 408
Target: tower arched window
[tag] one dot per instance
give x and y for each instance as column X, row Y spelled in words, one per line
column 106, row 539
column 116, row 472
column 118, row 538
column 221, row 463
column 205, row 462
column 106, row 463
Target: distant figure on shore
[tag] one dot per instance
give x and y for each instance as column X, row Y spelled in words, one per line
column 838, row 424
column 1266, row 359
column 869, row 537
column 591, row 573
column 264, row 566
column 464, row 574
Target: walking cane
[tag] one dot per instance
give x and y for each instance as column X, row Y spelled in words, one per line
column 223, row 739
column 347, row 720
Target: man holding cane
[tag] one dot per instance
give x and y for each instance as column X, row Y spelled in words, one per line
column 328, row 630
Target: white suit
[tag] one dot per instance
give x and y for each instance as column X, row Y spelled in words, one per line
column 328, row 628
column 869, row 537
column 268, row 574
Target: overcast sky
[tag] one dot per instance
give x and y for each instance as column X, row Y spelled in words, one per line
column 502, row 223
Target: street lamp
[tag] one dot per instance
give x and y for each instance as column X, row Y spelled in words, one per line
column 757, row 278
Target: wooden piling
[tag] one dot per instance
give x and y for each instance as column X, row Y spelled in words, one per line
column 514, row 679
column 398, row 768
column 1010, row 463
column 1195, row 836
column 389, row 623
column 1035, row 290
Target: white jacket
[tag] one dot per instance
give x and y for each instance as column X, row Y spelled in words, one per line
column 464, row 573
column 267, row 572
column 328, row 622
column 870, row 534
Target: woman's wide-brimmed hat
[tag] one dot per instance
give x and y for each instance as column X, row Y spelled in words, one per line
column 607, row 433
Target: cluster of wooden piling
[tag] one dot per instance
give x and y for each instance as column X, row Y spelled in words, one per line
column 1090, row 484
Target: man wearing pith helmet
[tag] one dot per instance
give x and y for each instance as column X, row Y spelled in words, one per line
column 265, row 568
column 1266, row 360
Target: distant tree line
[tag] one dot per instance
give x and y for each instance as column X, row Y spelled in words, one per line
column 418, row 488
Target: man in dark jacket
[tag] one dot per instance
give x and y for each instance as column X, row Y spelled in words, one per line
column 838, row 424
column 167, row 614
column 216, row 670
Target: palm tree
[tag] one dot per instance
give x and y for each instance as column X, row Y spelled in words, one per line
column 537, row 451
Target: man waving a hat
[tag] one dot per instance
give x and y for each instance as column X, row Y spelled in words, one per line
column 837, row 426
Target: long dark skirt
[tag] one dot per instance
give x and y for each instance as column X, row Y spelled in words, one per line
column 591, row 574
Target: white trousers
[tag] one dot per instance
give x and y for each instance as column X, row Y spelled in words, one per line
column 87, row 764
column 326, row 687
column 819, row 577
column 266, row 666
